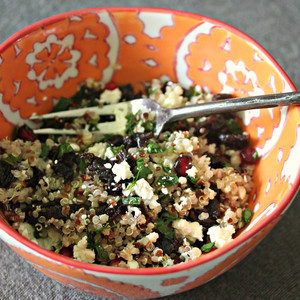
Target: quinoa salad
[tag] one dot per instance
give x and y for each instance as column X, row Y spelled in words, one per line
column 131, row 200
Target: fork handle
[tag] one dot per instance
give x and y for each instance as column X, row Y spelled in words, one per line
column 234, row 104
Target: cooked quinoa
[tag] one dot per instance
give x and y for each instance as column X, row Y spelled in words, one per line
column 131, row 201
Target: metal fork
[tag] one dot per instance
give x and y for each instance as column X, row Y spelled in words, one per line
column 164, row 115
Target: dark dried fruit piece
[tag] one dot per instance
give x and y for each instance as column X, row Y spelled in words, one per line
column 34, row 180
column 65, row 164
column 142, row 139
column 168, row 246
column 115, row 140
column 234, row 141
column 6, row 177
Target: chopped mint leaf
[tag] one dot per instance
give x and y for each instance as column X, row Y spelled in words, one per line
column 132, row 200
column 115, row 150
column 192, row 179
column 165, row 169
column 154, row 148
column 44, row 152
column 81, row 163
column 207, row 247
column 131, row 123
column 226, row 165
column 191, row 92
column 148, row 125
column 247, row 215
column 64, row 148
column 163, row 225
column 13, row 159
column 62, row 104
column 255, row 156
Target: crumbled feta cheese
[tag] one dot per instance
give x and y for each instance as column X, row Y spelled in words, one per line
column 190, row 230
column 221, row 235
column 98, row 149
column 122, row 171
column 109, row 154
column 111, row 96
column 182, row 180
column 165, row 191
column 143, row 189
column 81, row 252
column 192, row 172
column 107, row 166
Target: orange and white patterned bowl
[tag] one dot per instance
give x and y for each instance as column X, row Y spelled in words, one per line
column 50, row 59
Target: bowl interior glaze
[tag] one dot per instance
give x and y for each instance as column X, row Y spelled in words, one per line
column 51, row 58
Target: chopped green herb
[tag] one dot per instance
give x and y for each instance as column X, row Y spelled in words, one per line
column 166, row 137
column 165, row 169
column 247, row 215
column 207, row 247
column 255, row 156
column 79, row 96
column 132, row 200
column 192, row 179
column 227, row 165
column 149, row 126
column 44, row 152
column 99, row 247
column 149, row 91
column 93, row 125
column 131, row 123
column 163, row 224
column 234, row 126
column 94, row 241
column 191, row 92
column 154, row 148
column 171, row 148
column 62, row 104
column 141, row 171
column 191, row 242
column 115, row 150
column 131, row 185
column 13, row 159
column 81, row 163
column 64, row 148
column 166, row 180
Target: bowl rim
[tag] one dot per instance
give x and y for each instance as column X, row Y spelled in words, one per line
column 208, row 257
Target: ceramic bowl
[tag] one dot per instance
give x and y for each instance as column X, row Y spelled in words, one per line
column 50, row 59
